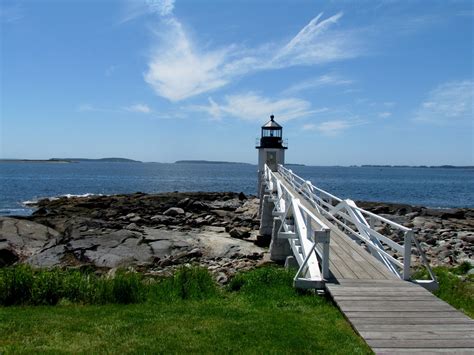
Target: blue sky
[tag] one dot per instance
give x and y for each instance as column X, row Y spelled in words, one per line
column 352, row 82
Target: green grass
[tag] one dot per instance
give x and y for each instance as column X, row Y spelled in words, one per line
column 259, row 312
column 456, row 287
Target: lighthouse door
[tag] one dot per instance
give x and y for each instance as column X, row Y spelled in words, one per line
column 271, row 161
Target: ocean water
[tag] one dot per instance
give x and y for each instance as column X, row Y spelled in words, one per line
column 434, row 187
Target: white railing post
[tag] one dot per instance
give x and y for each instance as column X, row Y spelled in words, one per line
column 407, row 254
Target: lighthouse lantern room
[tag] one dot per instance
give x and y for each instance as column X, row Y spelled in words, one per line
column 271, row 148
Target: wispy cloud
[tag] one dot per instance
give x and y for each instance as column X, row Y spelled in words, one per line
column 385, row 114
column 333, row 127
column 140, row 108
column 317, row 43
column 179, row 68
column 320, row 81
column 253, row 107
column 134, row 9
column 11, row 13
column 135, row 108
column 448, row 103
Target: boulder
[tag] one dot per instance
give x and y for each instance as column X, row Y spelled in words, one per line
column 240, row 233
column 174, row 211
column 24, row 238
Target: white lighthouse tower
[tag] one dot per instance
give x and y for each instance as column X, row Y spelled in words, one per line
column 271, row 150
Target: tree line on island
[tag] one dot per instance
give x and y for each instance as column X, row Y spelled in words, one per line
column 126, row 160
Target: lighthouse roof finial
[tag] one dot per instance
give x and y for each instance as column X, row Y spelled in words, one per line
column 271, row 124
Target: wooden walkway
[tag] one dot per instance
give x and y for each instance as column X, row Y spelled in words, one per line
column 391, row 315
column 402, row 317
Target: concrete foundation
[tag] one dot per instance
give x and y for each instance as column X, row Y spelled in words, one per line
column 291, row 263
column 266, row 217
column 279, row 248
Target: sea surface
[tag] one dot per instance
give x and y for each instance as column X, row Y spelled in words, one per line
column 433, row 187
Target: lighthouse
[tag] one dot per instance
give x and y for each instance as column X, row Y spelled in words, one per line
column 271, row 148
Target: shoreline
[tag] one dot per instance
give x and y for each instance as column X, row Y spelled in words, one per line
column 218, row 230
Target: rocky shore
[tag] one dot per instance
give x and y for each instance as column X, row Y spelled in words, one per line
column 151, row 233
column 446, row 235
column 157, row 233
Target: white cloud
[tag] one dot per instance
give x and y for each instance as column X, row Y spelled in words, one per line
column 179, row 68
column 385, row 114
column 86, row 107
column 332, row 128
column 161, row 7
column 139, row 108
column 253, row 107
column 134, row 9
column 316, row 43
column 323, row 80
column 448, row 103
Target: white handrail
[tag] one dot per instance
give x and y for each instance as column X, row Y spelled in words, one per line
column 304, row 230
column 360, row 224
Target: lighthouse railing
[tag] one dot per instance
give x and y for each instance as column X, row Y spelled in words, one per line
column 377, row 234
column 307, row 235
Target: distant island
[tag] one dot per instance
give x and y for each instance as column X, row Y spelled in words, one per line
column 419, row 166
column 207, row 162
column 70, row 160
column 100, row 160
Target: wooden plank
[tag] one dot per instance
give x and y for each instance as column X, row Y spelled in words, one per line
column 340, row 264
column 355, row 291
column 373, row 283
column 384, row 297
column 390, row 304
column 375, row 289
column 352, row 249
column 364, row 270
column 392, row 351
column 414, row 314
column 398, row 308
column 413, row 343
column 414, row 327
column 354, row 268
column 381, row 282
column 422, row 321
column 420, row 335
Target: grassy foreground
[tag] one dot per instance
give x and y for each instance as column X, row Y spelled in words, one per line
column 456, row 286
column 260, row 312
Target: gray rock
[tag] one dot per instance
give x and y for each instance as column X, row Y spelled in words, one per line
column 174, row 211
column 240, row 233
column 48, row 258
column 221, row 278
column 25, row 238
